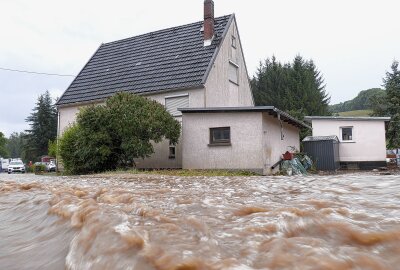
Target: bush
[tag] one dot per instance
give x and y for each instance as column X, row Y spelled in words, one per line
column 110, row 136
column 40, row 168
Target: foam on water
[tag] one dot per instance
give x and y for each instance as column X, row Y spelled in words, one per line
column 175, row 223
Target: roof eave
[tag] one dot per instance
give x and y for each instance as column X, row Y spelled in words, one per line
column 148, row 93
column 344, row 118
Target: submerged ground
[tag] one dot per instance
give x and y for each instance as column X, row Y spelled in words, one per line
column 165, row 222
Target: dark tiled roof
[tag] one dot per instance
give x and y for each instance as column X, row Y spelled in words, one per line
column 172, row 58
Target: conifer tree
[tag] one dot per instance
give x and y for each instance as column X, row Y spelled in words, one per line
column 392, row 85
column 3, row 150
column 14, row 145
column 43, row 123
column 296, row 87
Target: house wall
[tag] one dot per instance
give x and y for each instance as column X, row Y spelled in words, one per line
column 67, row 117
column 220, row 92
column 368, row 144
column 273, row 143
column 161, row 150
column 160, row 158
column 196, row 99
column 245, row 151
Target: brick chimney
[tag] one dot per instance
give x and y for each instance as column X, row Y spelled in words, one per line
column 208, row 22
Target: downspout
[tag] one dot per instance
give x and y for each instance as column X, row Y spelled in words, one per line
column 280, row 122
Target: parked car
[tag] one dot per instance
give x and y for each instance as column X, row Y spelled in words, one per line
column 51, row 167
column 47, row 166
column 16, row 166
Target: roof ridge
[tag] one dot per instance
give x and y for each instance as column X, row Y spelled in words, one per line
column 163, row 30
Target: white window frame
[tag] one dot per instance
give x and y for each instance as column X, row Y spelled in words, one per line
column 237, row 72
column 233, row 42
column 171, row 147
column 352, row 134
column 179, row 114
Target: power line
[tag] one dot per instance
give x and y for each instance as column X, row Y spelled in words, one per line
column 38, row 73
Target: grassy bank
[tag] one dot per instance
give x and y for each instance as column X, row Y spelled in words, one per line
column 178, row 172
column 356, row 113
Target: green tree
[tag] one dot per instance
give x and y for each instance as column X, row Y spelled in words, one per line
column 111, row 136
column 296, row 87
column 3, row 142
column 366, row 99
column 378, row 104
column 43, row 123
column 15, row 145
column 392, row 85
column 52, row 146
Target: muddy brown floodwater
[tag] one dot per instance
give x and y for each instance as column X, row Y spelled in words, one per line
column 186, row 223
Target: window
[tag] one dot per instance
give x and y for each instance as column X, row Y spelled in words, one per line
column 233, row 42
column 172, row 150
column 233, row 73
column 220, row 136
column 233, row 51
column 172, row 103
column 347, row 133
column 233, row 55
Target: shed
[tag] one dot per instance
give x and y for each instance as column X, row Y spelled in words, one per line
column 324, row 151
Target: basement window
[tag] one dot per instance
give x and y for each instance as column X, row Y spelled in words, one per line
column 347, row 133
column 172, row 151
column 220, row 136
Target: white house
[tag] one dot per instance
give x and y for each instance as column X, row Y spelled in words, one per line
column 247, row 138
column 362, row 139
column 198, row 65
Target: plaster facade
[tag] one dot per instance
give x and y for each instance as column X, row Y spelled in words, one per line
column 220, row 91
column 160, row 158
column 245, row 151
column 368, row 140
column 256, row 141
column 277, row 140
column 67, row 117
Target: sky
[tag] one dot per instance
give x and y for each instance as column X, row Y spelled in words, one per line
column 352, row 42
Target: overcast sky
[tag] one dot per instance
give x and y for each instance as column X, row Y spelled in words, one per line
column 352, row 42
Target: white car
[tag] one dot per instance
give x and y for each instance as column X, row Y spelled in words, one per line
column 51, row 167
column 16, row 166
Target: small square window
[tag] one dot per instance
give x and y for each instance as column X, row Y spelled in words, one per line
column 347, row 133
column 220, row 136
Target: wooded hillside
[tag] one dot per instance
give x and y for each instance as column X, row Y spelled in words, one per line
column 363, row 101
